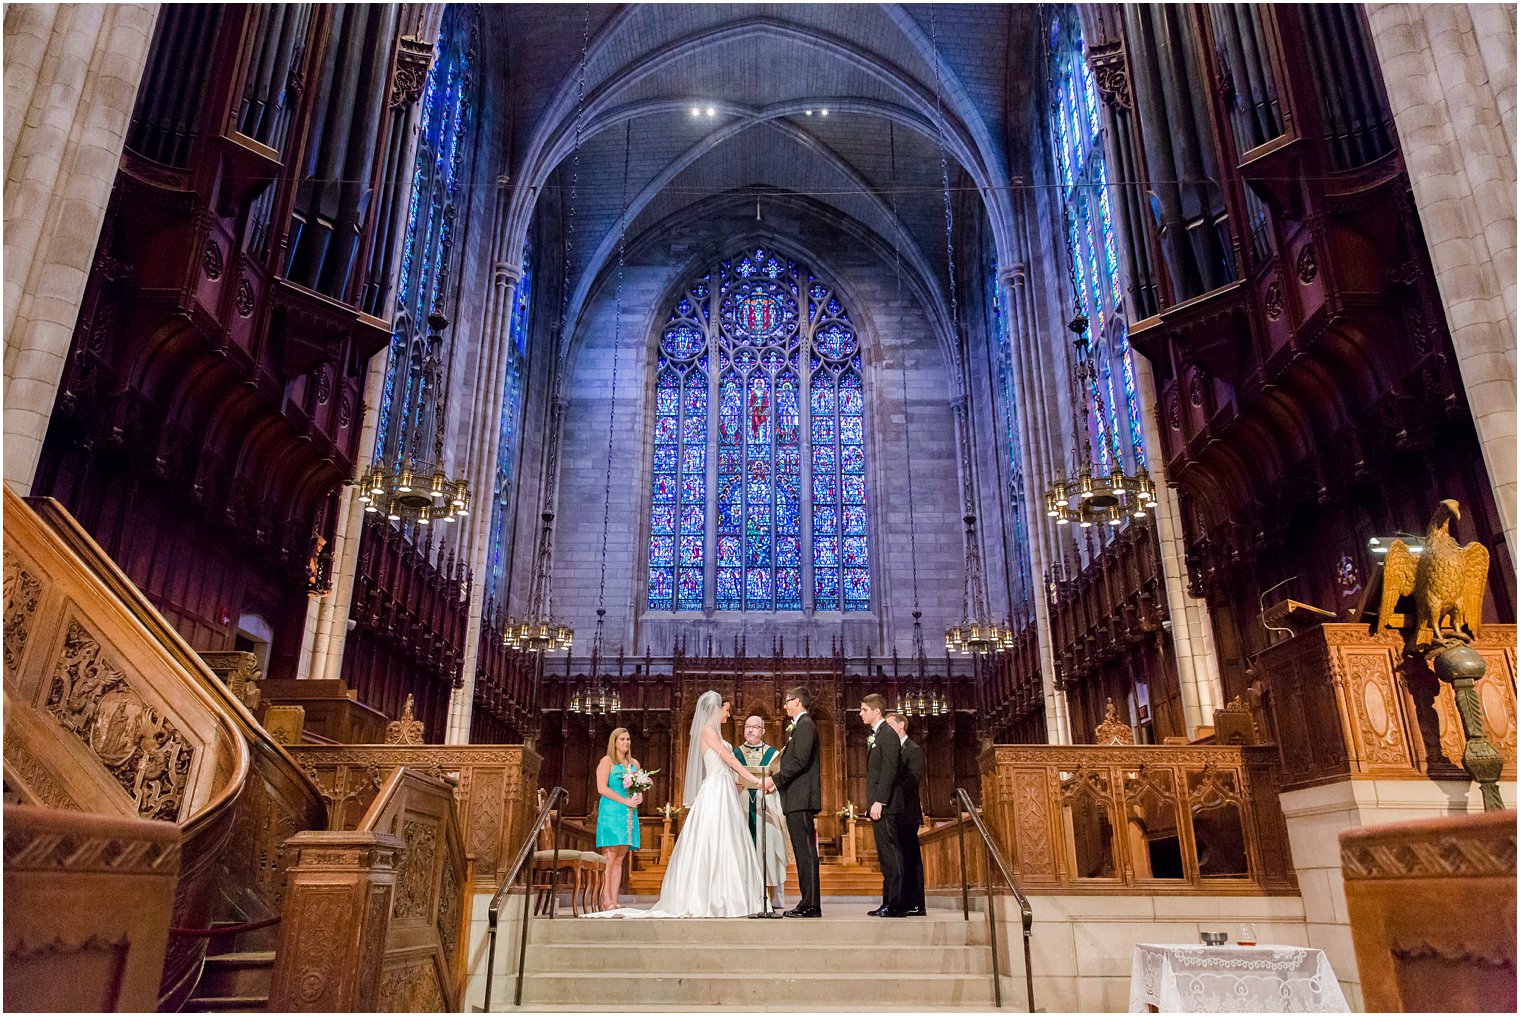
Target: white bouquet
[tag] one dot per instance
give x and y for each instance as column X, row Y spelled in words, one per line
column 639, row 781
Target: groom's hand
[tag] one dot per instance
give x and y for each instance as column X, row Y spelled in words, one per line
column 876, row 812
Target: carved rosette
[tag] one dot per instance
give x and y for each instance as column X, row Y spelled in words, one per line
column 244, row 298
column 211, row 260
column 1308, row 264
column 1274, row 300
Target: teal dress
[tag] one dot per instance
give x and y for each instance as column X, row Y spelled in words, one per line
column 617, row 825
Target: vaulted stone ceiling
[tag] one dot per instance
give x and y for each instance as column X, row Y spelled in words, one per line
column 761, row 67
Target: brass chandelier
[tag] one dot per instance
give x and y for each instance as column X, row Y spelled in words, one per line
column 413, row 487
column 1094, row 496
column 977, row 633
column 924, row 697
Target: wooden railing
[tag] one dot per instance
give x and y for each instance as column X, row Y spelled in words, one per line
column 109, row 711
column 374, row 919
column 278, row 799
column 1135, row 819
column 496, row 796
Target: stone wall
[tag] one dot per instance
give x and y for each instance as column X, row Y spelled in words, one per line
column 655, row 271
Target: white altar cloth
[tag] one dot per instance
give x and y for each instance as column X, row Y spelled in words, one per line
column 1233, row 978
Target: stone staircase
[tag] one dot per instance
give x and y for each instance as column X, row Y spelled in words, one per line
column 844, row 962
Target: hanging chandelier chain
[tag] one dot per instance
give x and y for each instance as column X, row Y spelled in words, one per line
column 902, row 375
column 974, row 634
column 944, row 173
column 540, row 632
column 617, row 331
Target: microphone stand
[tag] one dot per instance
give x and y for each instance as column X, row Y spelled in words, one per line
column 762, row 819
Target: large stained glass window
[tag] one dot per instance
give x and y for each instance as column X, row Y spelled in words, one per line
column 767, row 350
column 1076, row 131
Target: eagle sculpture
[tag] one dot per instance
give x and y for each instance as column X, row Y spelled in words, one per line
column 1446, row 582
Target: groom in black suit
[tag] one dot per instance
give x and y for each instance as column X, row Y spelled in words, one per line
column 801, row 797
column 884, row 797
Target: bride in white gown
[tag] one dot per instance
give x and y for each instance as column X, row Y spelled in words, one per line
column 713, row 871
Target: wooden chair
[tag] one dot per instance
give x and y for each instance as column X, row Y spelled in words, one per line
column 543, row 874
column 595, row 871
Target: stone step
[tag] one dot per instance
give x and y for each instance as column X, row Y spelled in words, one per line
column 855, row 929
column 644, row 958
column 237, row 974
column 853, row 990
column 833, row 880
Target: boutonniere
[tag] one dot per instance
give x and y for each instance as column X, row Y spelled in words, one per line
column 791, row 726
column 871, row 741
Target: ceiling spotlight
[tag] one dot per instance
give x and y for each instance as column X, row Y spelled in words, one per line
column 695, row 111
column 711, row 110
column 809, row 112
column 824, row 112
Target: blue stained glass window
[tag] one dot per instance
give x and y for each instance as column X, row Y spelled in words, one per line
column 1077, row 137
column 507, row 444
column 446, row 115
column 777, row 346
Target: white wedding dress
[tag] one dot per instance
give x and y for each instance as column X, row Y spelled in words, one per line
column 713, row 869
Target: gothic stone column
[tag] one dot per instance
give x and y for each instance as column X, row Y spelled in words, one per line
column 71, row 76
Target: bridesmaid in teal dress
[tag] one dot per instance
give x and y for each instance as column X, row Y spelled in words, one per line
column 617, row 815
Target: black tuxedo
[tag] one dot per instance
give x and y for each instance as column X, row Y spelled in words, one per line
column 801, row 787
column 908, row 820
column 884, row 786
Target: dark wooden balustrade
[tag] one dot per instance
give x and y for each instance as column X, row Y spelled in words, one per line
column 1154, row 820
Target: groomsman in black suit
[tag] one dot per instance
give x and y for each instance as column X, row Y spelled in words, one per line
column 801, row 797
column 884, row 797
column 910, row 819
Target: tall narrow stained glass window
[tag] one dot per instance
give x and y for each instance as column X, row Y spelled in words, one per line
column 507, row 438
column 1077, row 134
column 437, row 179
column 767, row 349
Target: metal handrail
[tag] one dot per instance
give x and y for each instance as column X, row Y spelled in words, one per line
column 963, row 804
column 493, row 912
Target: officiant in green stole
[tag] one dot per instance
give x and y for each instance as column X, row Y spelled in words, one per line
column 755, row 754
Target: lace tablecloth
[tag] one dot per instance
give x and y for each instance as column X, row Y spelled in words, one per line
column 1233, row 978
